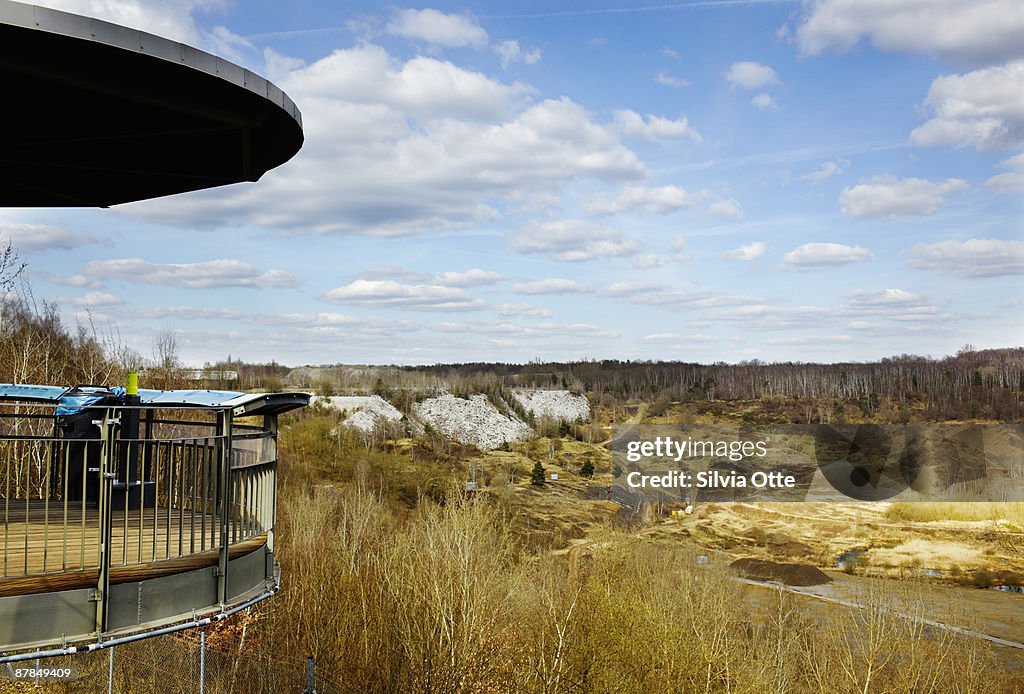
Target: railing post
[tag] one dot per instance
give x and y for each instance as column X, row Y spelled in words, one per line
column 224, row 422
column 270, row 425
column 106, row 484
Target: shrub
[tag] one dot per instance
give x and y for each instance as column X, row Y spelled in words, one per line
column 982, row 579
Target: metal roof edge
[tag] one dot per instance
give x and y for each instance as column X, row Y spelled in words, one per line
column 78, row 26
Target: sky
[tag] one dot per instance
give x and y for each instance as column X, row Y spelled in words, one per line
column 713, row 180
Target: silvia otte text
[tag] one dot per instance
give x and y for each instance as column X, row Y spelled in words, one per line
column 711, row 479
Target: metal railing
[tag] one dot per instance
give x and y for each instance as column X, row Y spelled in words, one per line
column 91, row 494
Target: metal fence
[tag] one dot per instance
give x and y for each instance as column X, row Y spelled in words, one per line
column 120, row 486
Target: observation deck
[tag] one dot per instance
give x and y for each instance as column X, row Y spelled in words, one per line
column 130, row 515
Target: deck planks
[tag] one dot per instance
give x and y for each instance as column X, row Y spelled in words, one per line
column 38, row 549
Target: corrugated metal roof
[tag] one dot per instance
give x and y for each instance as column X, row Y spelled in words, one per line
column 15, row 391
column 196, row 398
column 242, row 403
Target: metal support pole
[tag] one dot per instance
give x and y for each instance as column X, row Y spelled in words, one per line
column 224, row 425
column 309, row 676
column 270, row 424
column 202, row 661
column 106, row 484
column 110, row 672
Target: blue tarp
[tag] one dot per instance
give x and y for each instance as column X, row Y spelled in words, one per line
column 83, row 397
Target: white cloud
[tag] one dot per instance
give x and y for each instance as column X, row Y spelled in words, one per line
column 572, row 240
column 438, row 28
column 675, row 338
column 972, row 258
column 748, row 252
column 422, row 88
column 885, row 297
column 826, row 171
column 98, row 300
column 764, row 102
column 556, row 285
column 669, row 52
column 1014, row 162
column 809, row 340
column 669, row 80
column 892, row 198
column 984, row 109
column 977, row 31
column 80, row 281
column 426, row 146
column 866, row 326
column 42, row 237
column 392, row 294
column 678, row 249
column 817, row 256
column 223, row 42
column 632, row 288
column 277, row 66
column 751, row 75
column 655, row 128
column 680, row 300
column 319, row 319
column 1009, row 182
column 469, row 278
column 894, row 304
column 536, row 330
column 523, row 311
column 647, row 262
column 770, row 317
column 204, row 275
column 726, row 209
column 187, row 313
column 660, row 200
column 511, row 52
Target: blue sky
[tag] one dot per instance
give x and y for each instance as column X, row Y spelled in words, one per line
column 816, row 181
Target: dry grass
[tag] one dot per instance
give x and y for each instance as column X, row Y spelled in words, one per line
column 445, row 596
column 921, row 512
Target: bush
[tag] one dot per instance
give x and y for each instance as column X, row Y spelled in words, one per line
column 587, row 469
column 982, row 579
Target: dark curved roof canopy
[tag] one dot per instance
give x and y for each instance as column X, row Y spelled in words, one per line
column 96, row 114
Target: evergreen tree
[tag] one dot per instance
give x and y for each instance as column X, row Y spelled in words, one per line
column 537, row 475
column 587, row 469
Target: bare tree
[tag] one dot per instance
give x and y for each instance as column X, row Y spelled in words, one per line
column 11, row 266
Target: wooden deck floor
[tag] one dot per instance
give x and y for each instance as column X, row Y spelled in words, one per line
column 44, row 545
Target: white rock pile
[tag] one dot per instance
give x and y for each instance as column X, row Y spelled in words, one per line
column 365, row 412
column 474, row 421
column 555, row 404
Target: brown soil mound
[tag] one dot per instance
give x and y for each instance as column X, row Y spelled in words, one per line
column 790, row 574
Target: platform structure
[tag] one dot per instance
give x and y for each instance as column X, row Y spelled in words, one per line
column 127, row 516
